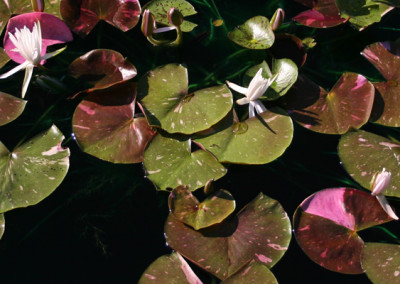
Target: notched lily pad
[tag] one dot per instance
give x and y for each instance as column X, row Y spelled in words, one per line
column 170, row 163
column 255, row 273
column 163, row 95
column 261, row 231
column 213, row 210
column 326, row 225
column 10, row 108
column 33, row 170
column 364, row 154
column 105, row 127
column 255, row 33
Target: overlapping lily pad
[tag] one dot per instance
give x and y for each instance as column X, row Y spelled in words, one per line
column 105, row 127
column 364, row 154
column 348, row 104
column 255, row 273
column 257, row 140
column 326, row 225
column 82, row 16
column 381, row 262
column 160, row 9
column 386, row 58
column 163, row 95
column 213, row 210
column 255, row 33
column 170, row 163
column 10, row 108
column 102, row 68
column 261, row 231
column 33, row 170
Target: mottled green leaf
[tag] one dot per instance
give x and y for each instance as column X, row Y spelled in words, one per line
column 255, row 273
column 10, row 108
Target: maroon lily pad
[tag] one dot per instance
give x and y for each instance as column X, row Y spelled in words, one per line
column 102, row 68
column 54, row 31
column 10, row 108
column 326, row 225
column 348, row 104
column 323, row 14
column 83, row 15
column 386, row 58
column 105, row 127
column 261, row 231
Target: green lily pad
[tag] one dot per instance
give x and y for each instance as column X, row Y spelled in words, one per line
column 348, row 105
column 364, row 154
column 3, row 57
column 160, row 9
column 255, row 33
column 105, row 127
column 386, row 110
column 166, row 103
column 213, row 210
column 326, row 225
column 10, row 108
column 170, row 163
column 261, row 231
column 169, row 269
column 257, row 140
column 2, row 225
column 255, row 273
column 33, row 170
column 381, row 262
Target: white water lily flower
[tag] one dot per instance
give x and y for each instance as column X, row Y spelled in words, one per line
column 257, row 87
column 29, row 45
column 379, row 184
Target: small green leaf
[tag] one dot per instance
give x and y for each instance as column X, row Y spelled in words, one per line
column 10, row 108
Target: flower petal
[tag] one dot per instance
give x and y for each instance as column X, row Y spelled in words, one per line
column 385, row 206
column 259, row 106
column 14, row 70
column 27, row 79
column 242, row 101
column 237, row 88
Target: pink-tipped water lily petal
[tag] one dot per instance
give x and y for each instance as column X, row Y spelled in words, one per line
column 54, row 31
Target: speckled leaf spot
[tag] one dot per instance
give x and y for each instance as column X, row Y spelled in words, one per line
column 381, row 262
column 348, row 105
column 326, row 225
column 163, row 95
column 386, row 59
column 261, row 231
column 33, row 170
column 170, row 163
column 363, row 154
column 255, row 33
column 10, row 108
column 255, row 273
column 169, row 269
column 213, row 210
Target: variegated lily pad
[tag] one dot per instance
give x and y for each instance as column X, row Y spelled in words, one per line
column 10, row 108
column 255, row 273
column 170, row 163
column 364, row 154
column 33, row 170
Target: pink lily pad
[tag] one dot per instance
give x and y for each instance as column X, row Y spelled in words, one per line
column 326, row 225
column 54, row 31
column 261, row 231
column 102, row 68
column 348, row 104
column 83, row 15
column 10, row 108
column 105, row 127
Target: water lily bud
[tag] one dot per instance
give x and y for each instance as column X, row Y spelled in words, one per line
column 148, row 23
column 175, row 17
column 277, row 19
column 380, row 182
column 37, row 5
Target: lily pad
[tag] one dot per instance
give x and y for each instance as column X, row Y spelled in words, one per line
column 105, row 127
column 160, row 9
column 385, row 58
column 257, row 140
column 82, row 16
column 2, row 225
column 170, row 163
column 381, row 262
column 255, row 33
column 364, row 154
column 102, row 68
column 33, row 170
column 255, row 273
column 10, row 108
column 3, row 57
column 14, row 7
column 164, row 98
column 261, row 231
column 169, row 269
column 326, row 225
column 213, row 210
column 348, row 105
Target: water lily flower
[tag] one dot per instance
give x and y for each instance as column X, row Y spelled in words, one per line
column 26, row 40
column 257, row 87
column 379, row 183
